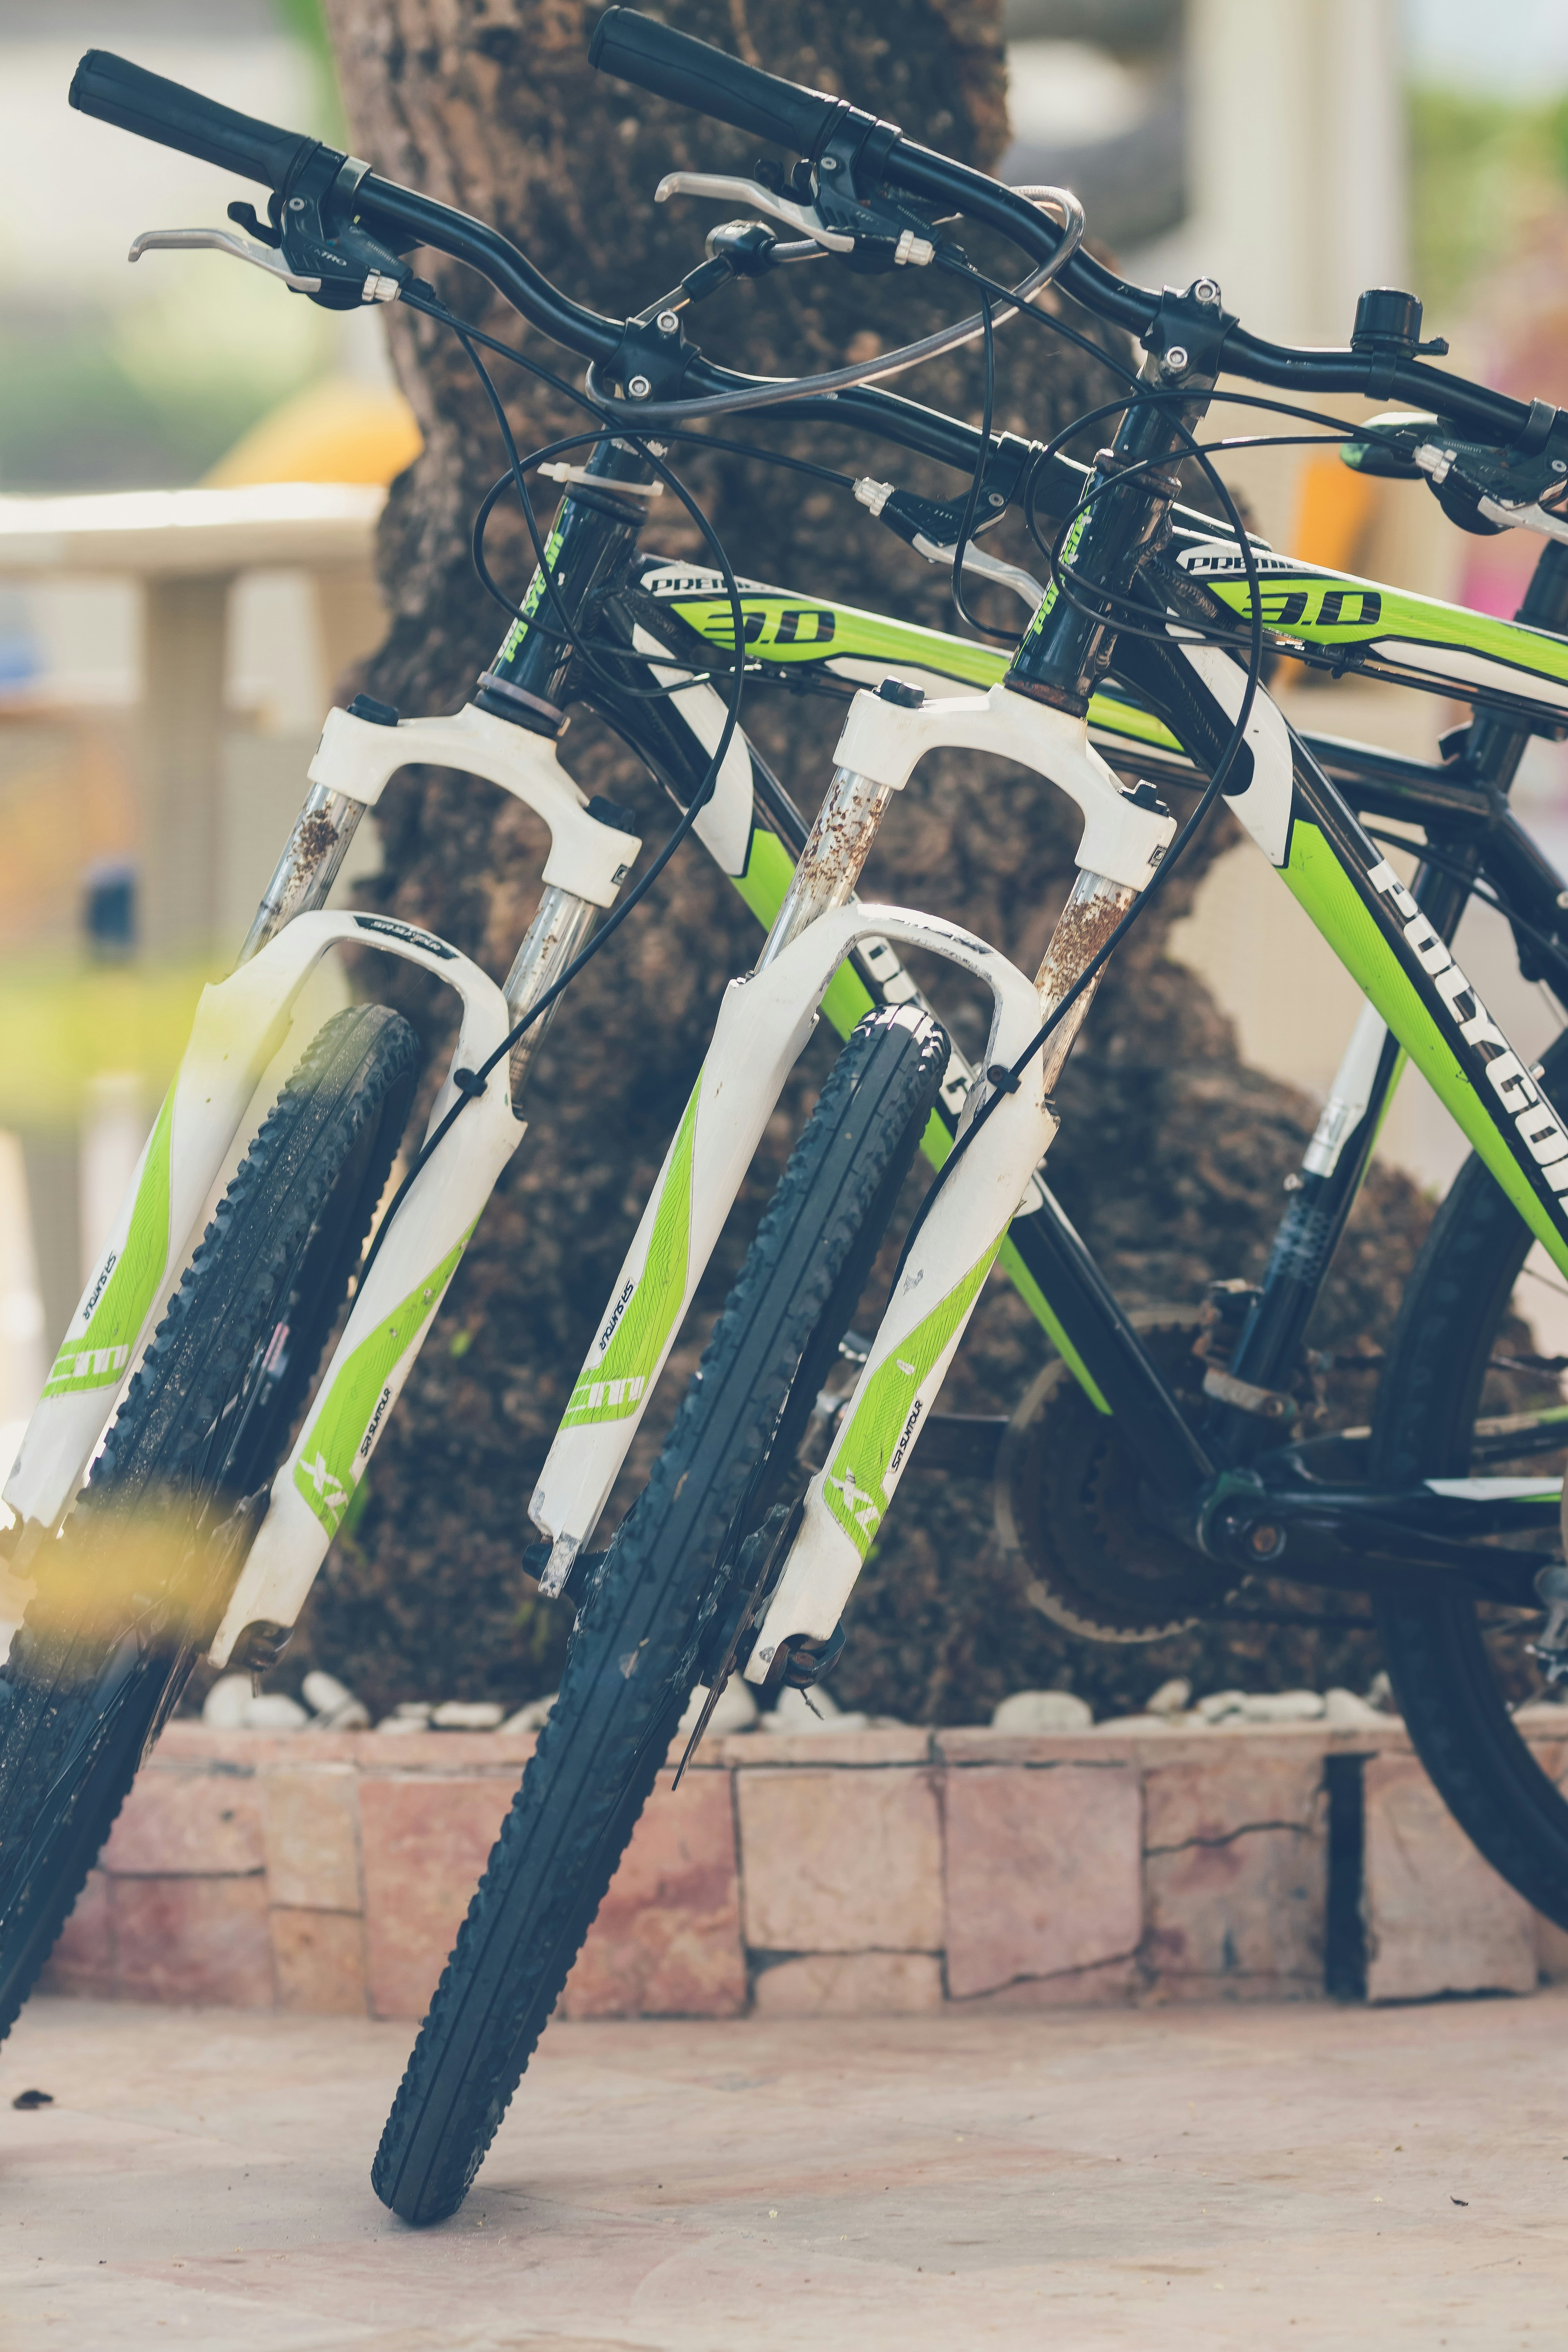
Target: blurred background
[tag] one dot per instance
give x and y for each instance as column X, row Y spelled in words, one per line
column 165, row 660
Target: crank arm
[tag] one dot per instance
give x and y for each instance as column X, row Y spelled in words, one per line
column 1356, row 1537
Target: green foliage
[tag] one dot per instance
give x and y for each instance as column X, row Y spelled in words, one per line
column 305, row 22
column 1479, row 168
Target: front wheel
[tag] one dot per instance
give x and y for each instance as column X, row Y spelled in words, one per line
column 131, row 1593
column 1465, row 1393
column 632, row 1661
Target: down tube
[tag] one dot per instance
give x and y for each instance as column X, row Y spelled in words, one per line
column 1402, row 963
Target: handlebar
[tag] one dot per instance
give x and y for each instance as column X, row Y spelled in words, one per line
column 116, row 91
column 639, row 49
column 674, row 64
column 636, row 49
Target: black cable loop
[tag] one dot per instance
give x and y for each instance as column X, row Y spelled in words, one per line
column 972, row 501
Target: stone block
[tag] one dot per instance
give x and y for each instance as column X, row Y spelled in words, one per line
column 192, row 1939
column 840, row 1861
column 318, row 1958
column 310, row 1824
column 425, row 1841
column 1439, row 1917
column 1114, row 1984
column 176, row 1823
column 873, row 1749
column 1043, row 1875
column 850, row 1984
column 1236, row 1874
column 83, row 1958
column 667, row 1942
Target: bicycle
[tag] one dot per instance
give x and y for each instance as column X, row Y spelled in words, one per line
column 740, row 1556
column 213, row 1493
column 681, row 753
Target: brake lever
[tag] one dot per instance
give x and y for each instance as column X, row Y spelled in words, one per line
column 219, row 240
column 803, row 218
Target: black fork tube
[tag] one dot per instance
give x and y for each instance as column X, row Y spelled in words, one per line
column 594, row 531
column 1068, row 645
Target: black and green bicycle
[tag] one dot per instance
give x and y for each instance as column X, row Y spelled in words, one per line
column 1142, row 659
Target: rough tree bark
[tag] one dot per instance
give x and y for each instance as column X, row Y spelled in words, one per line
column 1172, row 1153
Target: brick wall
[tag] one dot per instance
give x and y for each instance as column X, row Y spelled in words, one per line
column 827, row 1872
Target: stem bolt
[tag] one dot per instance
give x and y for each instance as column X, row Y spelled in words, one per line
column 1176, row 359
column 1207, row 291
column 668, row 324
column 639, row 387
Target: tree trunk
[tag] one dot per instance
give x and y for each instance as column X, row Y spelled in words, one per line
column 1171, row 1156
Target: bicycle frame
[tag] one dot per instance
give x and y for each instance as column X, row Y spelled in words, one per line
column 1311, row 834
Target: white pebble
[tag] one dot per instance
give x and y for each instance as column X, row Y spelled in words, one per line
column 275, row 1711
column 1345, row 1706
column 467, row 1714
column 532, row 1717
column 1032, row 1712
column 812, row 1710
column 224, row 1708
column 736, row 1710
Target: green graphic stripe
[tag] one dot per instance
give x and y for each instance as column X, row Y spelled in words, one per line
column 880, row 1419
column 785, row 629
column 614, row 1387
column 350, row 1420
column 1069, row 550
column 101, row 1354
column 1035, row 1298
column 1330, row 608
column 531, row 600
column 1316, row 878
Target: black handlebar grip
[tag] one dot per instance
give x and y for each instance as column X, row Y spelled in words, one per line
column 638, row 48
column 116, row 91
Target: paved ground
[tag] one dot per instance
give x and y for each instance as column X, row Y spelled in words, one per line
column 1267, row 2177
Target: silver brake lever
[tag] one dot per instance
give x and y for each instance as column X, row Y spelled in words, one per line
column 990, row 567
column 761, row 199
column 1023, row 583
column 261, row 256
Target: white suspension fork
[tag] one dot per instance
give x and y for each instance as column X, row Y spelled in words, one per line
column 240, row 1026
column 762, row 1023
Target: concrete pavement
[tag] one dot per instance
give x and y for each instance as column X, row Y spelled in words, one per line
column 1260, row 2176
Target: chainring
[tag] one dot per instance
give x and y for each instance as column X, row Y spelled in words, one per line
column 1066, row 1504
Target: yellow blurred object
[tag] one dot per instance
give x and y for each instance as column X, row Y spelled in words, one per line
column 334, row 431
column 61, row 1023
column 1334, row 514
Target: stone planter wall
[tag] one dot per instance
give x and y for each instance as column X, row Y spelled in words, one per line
column 830, row 1872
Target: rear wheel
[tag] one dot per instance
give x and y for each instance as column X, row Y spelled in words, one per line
column 1468, row 1393
column 131, row 1592
column 648, row 1616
